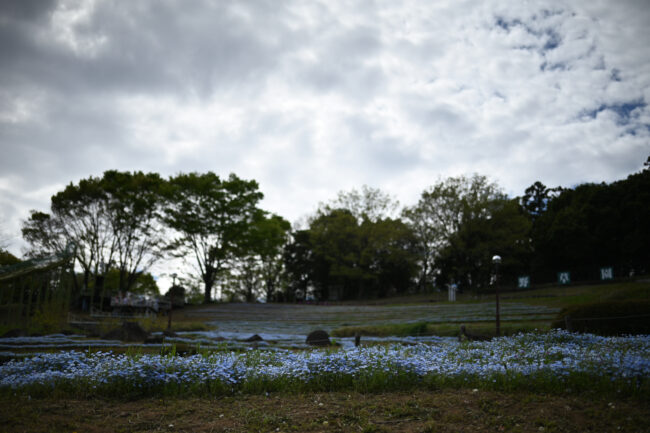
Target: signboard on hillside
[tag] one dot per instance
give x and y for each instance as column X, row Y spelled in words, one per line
column 606, row 273
column 564, row 277
column 523, row 282
column 452, row 292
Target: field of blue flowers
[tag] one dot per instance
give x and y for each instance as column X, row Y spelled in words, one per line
column 554, row 361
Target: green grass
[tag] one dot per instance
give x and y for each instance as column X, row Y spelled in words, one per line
column 441, row 329
column 444, row 320
column 552, row 297
column 565, row 296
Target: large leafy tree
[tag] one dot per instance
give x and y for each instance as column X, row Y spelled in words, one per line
column 357, row 249
column 441, row 211
column 371, row 204
column 467, row 258
column 389, row 254
column 303, row 268
column 536, row 199
column 359, row 260
column 269, row 235
column 595, row 225
column 352, row 249
column 133, row 210
column 428, row 242
column 211, row 217
column 78, row 216
column 259, row 265
column 112, row 221
column 633, row 201
column 336, row 241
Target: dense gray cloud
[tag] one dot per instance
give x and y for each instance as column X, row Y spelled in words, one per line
column 310, row 98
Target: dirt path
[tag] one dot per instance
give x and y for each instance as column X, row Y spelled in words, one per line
column 419, row 411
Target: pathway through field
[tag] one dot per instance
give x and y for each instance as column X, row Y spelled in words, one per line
column 291, row 323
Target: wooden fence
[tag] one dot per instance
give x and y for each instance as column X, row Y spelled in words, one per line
column 36, row 291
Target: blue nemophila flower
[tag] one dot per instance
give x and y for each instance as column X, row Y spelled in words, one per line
column 558, row 353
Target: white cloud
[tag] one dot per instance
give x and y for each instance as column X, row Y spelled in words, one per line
column 310, row 98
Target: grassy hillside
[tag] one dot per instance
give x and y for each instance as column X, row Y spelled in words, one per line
column 554, row 297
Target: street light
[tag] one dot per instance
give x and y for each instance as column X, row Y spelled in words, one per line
column 497, row 261
column 171, row 301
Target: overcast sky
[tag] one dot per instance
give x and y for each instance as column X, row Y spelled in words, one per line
column 313, row 97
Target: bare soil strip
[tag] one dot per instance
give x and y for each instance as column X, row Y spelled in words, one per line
column 418, row 411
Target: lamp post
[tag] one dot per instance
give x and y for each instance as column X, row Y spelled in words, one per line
column 497, row 261
column 171, row 301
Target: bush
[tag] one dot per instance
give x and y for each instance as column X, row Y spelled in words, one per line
column 606, row 318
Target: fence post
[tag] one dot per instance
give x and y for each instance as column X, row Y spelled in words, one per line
column 567, row 323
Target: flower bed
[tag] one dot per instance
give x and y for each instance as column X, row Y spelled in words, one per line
column 548, row 362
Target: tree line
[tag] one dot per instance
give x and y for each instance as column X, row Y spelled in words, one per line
column 359, row 245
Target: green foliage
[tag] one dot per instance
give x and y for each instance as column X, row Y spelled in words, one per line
column 371, row 204
column 133, row 211
column 302, row 266
column 193, row 291
column 354, row 247
column 352, row 260
column 442, row 211
column 260, row 252
column 612, row 317
column 596, row 225
column 143, row 284
column 500, row 229
column 6, row 258
column 112, row 220
column 176, row 292
column 211, row 217
column 536, row 198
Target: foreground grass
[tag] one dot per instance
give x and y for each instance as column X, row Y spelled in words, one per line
column 464, row 410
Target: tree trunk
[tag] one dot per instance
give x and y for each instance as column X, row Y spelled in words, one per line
column 208, row 280
column 208, row 293
column 270, row 288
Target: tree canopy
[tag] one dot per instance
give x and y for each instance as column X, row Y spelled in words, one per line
column 112, row 221
column 210, row 218
column 348, row 259
column 443, row 209
column 595, row 225
column 356, row 246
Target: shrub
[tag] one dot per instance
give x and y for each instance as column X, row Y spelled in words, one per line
column 606, row 318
